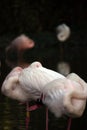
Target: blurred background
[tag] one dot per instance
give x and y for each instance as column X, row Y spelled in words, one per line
column 39, row 20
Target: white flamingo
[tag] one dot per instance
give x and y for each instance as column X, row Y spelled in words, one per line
column 62, row 95
column 63, row 32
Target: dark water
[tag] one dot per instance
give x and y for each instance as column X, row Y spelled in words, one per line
column 13, row 116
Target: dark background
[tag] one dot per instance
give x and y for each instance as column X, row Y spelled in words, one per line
column 39, row 19
column 27, row 16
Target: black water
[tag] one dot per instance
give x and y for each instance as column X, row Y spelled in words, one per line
column 13, row 117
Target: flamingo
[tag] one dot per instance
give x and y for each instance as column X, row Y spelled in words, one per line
column 62, row 95
column 63, row 32
column 15, row 50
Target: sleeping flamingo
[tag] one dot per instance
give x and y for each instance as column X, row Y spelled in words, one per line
column 62, row 95
column 63, row 32
column 15, row 51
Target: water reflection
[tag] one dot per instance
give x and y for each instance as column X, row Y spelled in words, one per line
column 13, row 115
